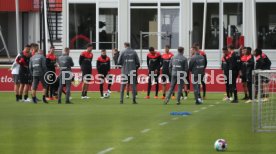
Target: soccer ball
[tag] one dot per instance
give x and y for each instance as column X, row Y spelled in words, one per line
column 106, row 95
column 220, row 145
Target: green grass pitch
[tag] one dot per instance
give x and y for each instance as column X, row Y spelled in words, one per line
column 96, row 125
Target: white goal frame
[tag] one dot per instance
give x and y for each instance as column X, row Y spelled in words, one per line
column 264, row 111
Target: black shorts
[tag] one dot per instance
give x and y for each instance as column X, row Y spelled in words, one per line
column 243, row 78
column 24, row 78
column 166, row 78
column 36, row 80
column 87, row 74
column 15, row 78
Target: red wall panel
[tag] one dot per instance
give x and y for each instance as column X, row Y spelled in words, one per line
column 9, row 5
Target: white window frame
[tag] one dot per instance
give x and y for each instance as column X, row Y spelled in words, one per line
column 99, row 5
column 221, row 13
column 158, row 7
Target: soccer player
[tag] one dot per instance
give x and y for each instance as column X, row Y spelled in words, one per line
column 129, row 61
column 262, row 63
column 15, row 71
column 234, row 67
column 115, row 55
column 243, row 72
column 51, row 63
column 103, row 67
column 166, row 57
column 225, row 62
column 154, row 64
column 38, row 69
column 202, row 53
column 249, row 67
column 65, row 63
column 178, row 68
column 24, row 74
column 85, row 62
column 197, row 68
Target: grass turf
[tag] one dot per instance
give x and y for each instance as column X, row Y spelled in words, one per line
column 90, row 126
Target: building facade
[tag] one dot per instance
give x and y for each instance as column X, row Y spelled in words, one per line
column 143, row 23
column 176, row 23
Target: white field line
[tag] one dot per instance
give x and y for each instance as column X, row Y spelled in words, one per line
column 203, row 108
column 163, row 123
column 106, row 150
column 196, row 111
column 128, row 139
column 145, row 130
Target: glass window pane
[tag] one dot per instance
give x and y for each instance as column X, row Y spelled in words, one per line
column 108, row 21
column 170, row 25
column 233, row 24
column 212, row 24
column 82, row 25
column 266, row 25
column 143, row 20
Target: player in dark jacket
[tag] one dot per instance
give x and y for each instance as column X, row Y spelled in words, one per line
column 225, row 60
column 262, row 63
column 243, row 72
column 166, row 76
column 103, row 67
column 249, row 67
column 24, row 73
column 85, row 62
column 154, row 64
column 51, row 63
column 234, row 67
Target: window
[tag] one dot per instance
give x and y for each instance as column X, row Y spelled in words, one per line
column 170, row 25
column 266, row 25
column 82, row 25
column 144, row 20
column 212, row 24
column 108, row 21
column 158, row 30
column 232, row 24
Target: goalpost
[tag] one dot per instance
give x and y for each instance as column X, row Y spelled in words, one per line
column 264, row 101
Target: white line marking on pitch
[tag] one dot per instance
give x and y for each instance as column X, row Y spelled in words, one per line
column 211, row 105
column 128, row 139
column 196, row 111
column 163, row 123
column 217, row 102
column 106, row 150
column 145, row 130
column 176, row 118
column 204, row 108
